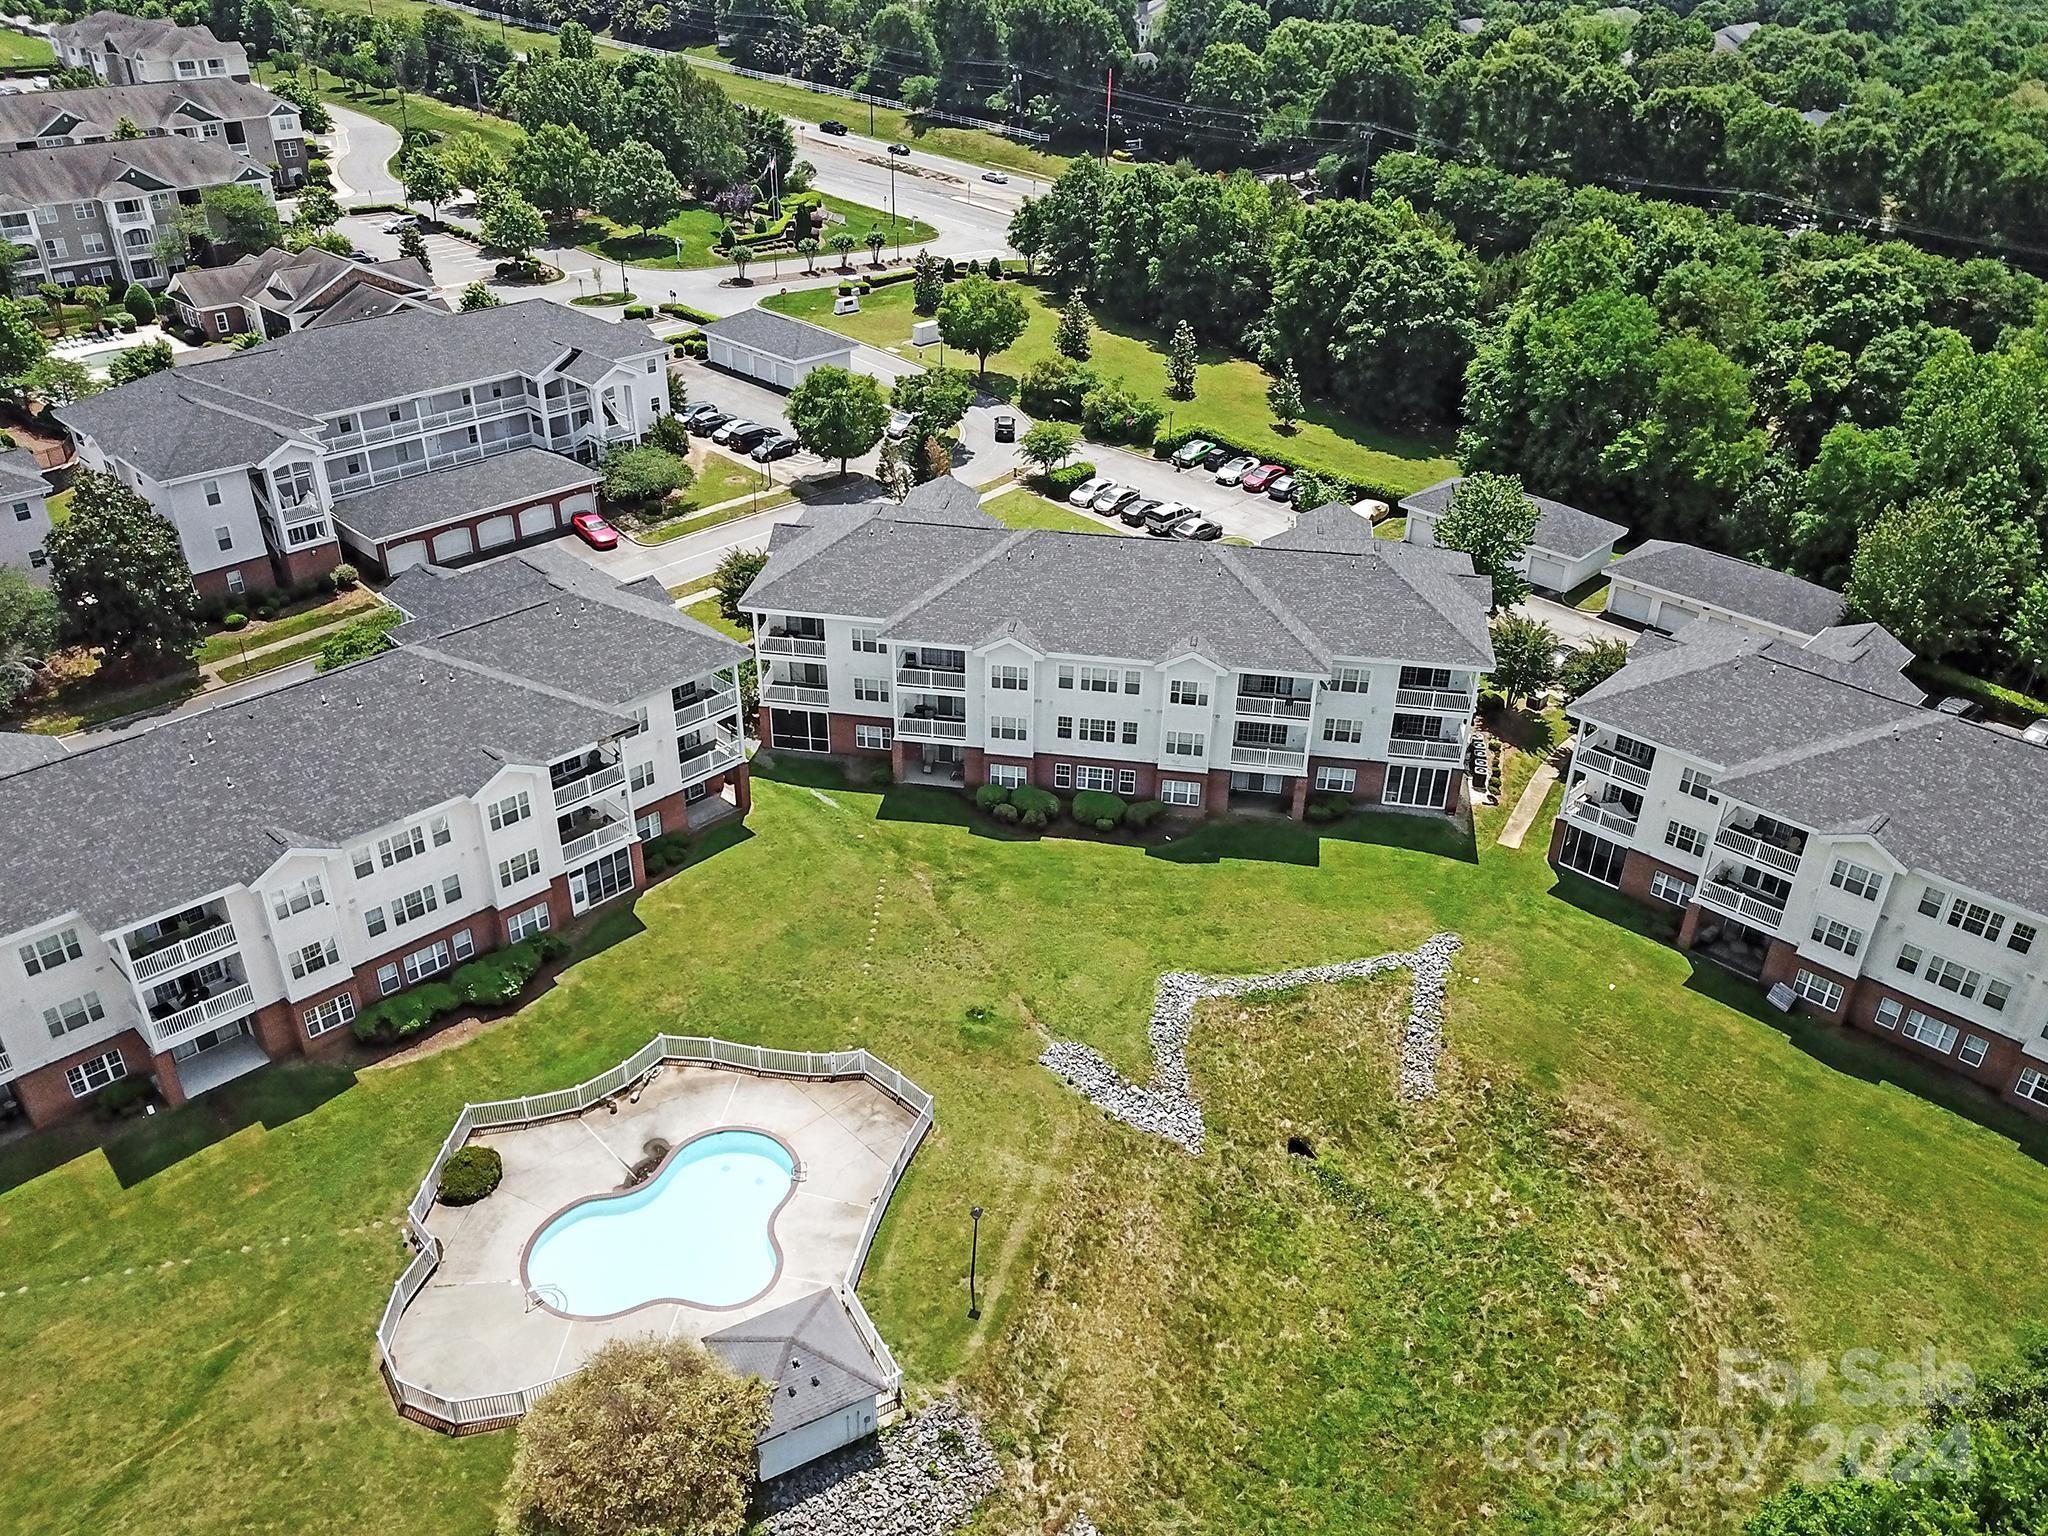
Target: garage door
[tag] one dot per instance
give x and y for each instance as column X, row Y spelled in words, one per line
column 583, row 502
column 493, row 531
column 535, row 521
column 1672, row 617
column 1549, row 573
column 1628, row 603
column 401, row 557
column 453, row 544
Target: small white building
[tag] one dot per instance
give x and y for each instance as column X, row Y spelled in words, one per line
column 772, row 348
column 1569, row 547
column 828, row 1384
column 24, row 514
column 1665, row 586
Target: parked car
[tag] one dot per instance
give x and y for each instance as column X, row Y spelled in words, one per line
column 1281, row 487
column 696, row 411
column 1234, row 470
column 1164, row 514
column 899, row 423
column 780, row 446
column 1135, row 511
column 833, row 126
column 1110, row 500
column 1006, row 429
column 997, row 177
column 1198, row 528
column 1258, row 479
column 1190, row 453
column 732, row 425
column 593, row 530
column 359, row 254
column 2036, row 734
column 401, row 224
column 750, row 437
column 1087, row 490
column 899, row 149
column 707, row 425
column 1958, row 706
column 1217, row 456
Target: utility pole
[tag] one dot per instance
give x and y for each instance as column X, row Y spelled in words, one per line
column 973, row 1262
column 1108, row 97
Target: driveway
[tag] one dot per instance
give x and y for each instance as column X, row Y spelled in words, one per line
column 1575, row 628
column 359, row 153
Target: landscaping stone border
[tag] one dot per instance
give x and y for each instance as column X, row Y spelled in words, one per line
column 924, row 1477
column 1167, row 1105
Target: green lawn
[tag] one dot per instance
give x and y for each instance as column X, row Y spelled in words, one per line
column 1027, row 509
column 1230, row 392
column 705, row 611
column 521, row 39
column 721, row 479
column 224, row 644
column 301, row 649
column 697, row 227
column 416, row 110
column 21, row 52
column 1639, row 1163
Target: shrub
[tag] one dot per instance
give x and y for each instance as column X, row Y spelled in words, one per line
column 1098, row 808
column 352, row 642
column 397, row 1018
column 235, row 621
column 1328, row 808
column 1006, row 812
column 470, row 1174
column 1143, row 814
column 687, row 312
column 1055, row 387
column 121, row 1098
column 666, row 852
column 1032, row 801
column 1112, row 414
column 639, row 311
column 500, row 976
column 989, row 796
column 886, row 279
column 344, row 577
column 1067, row 479
column 634, row 476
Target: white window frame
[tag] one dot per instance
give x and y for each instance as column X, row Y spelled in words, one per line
column 336, row 1011
column 511, row 810
column 1856, row 879
column 1824, row 992
column 1973, row 1051
column 1666, row 886
column 1186, row 793
column 1191, row 691
column 873, row 738
column 1348, row 732
column 1336, row 781
column 1924, row 1029
column 88, row 1077
column 535, row 919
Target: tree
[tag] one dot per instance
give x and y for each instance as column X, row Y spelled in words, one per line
column 316, row 209
column 1939, row 574
column 240, row 220
column 875, row 241
column 1587, row 669
column 1180, row 363
column 740, row 254
column 352, row 642
column 936, row 399
column 28, row 632
column 1048, row 445
column 982, row 317
column 471, row 162
column 119, row 574
column 94, row 298
column 734, row 574
column 126, row 128
column 1074, row 335
column 58, row 380
column 139, row 362
column 1524, row 656
column 635, row 476
column 1283, row 397
column 553, row 168
column 2027, row 630
column 838, row 414
column 927, row 283
column 476, row 296
column 808, row 249
column 635, row 187
column 513, row 225
column 842, row 245
column 139, row 304
column 412, row 244
column 22, row 344
column 426, row 179
column 1492, row 519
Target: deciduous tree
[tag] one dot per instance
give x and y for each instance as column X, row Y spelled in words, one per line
column 635, row 187
column 1491, row 518
column 1524, row 656
column 837, row 413
column 1939, row 574
column 1074, row 336
column 982, row 317
column 119, row 575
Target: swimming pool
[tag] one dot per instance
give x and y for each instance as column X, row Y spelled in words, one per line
column 701, row 1231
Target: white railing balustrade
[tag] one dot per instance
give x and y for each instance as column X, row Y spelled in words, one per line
column 576, row 791
column 1426, row 749
column 775, row 643
column 1740, row 904
column 1279, row 759
column 1444, row 700
column 1605, row 763
column 1757, row 851
column 236, row 1000
column 931, row 728
column 1274, row 706
column 796, row 693
column 162, row 962
column 1609, row 816
column 705, row 707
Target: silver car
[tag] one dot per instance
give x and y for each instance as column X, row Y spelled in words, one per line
column 1087, row 490
column 733, row 428
column 1235, row 470
column 1110, row 497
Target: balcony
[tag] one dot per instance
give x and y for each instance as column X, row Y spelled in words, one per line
column 576, row 791
column 6, row 1065
column 1273, row 706
column 918, row 673
column 412, row 426
column 931, row 728
column 1270, row 759
column 1753, row 849
column 714, row 755
column 1745, row 906
column 173, row 952
column 589, row 830
column 705, row 706
column 1605, row 763
column 795, row 693
column 776, row 641
column 231, row 1003
column 1447, row 701
column 1426, row 749
column 1603, row 816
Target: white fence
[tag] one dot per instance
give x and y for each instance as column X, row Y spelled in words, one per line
column 466, row 1414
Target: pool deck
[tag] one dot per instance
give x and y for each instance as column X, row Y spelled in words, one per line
column 472, row 1331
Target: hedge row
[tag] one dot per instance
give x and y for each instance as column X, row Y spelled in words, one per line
column 1167, row 446
column 496, row 978
column 1068, row 478
column 2007, row 704
column 1028, row 805
column 687, row 312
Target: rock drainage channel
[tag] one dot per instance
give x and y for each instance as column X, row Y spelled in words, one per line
column 925, row 1477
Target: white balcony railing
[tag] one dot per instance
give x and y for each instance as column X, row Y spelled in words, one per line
column 1449, row 701
column 705, row 707
column 931, row 728
column 1268, row 706
column 1608, row 817
column 412, row 426
column 775, row 643
column 576, row 791
column 222, row 1005
column 1757, row 851
column 165, row 962
column 795, row 693
column 600, row 837
column 1737, row 903
column 1426, row 749
column 1603, row 762
column 726, row 753
column 931, row 679
column 6, row 1064
column 1277, row 759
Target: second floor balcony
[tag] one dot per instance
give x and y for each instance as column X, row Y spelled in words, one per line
column 1612, row 815
column 694, row 704
column 578, row 778
column 590, row 829
column 178, row 945
column 1733, row 892
column 705, row 754
column 931, row 670
column 791, row 638
column 180, row 1008
column 1768, row 844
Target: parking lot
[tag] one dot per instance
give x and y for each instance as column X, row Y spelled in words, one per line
column 456, row 263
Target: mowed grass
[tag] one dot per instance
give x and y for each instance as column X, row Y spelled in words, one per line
column 18, row 51
column 1230, row 392
column 1027, row 509
column 697, row 227
column 238, row 1391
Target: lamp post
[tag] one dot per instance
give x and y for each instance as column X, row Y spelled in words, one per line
column 973, row 1261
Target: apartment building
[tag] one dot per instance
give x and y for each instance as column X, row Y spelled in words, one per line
column 256, row 456
column 1817, row 828
column 24, row 514
column 134, row 50
column 258, row 873
column 1324, row 661
column 233, row 113
column 274, row 292
column 94, row 213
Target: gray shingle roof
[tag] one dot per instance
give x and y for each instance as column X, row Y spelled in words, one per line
column 1333, row 528
column 20, row 749
column 810, row 1353
column 72, row 173
column 18, row 473
column 151, row 105
column 1560, row 529
column 137, row 35
column 1738, row 586
column 544, row 615
column 444, row 495
column 1287, row 606
column 209, row 800
column 794, row 341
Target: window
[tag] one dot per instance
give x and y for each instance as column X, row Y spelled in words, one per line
column 1185, row 792
column 21, row 511
column 1063, row 728
column 1837, row 936
column 332, row 1014
column 1128, row 733
column 438, row 828
column 508, row 812
column 1185, row 743
column 451, row 889
column 1352, row 731
column 1408, row 784
column 642, row 776
column 1187, row 690
column 362, row 862
column 1888, row 1011
column 1097, row 730
column 465, row 946
column 317, row 956
column 866, row 642
column 91, row 1076
column 1951, row 976
column 304, row 896
column 640, row 716
column 1931, row 901
column 1100, row 679
column 648, row 827
column 1337, row 781
column 2021, row 939
column 1668, row 887
column 1971, row 918
column 1066, row 675
column 1910, row 958
column 1685, row 839
column 236, row 584
column 46, row 954
column 2032, row 1086
column 1697, row 784
column 1007, row 727
column 1932, row 1033
column 1062, row 775
column 1109, row 780
column 1855, row 879
column 535, row 919
column 1009, row 677
column 1975, row 1049
column 73, row 1013
column 872, row 738
column 871, row 690
column 1009, row 775
column 1351, row 680
column 373, row 919
column 601, row 879
column 1996, row 995
column 396, row 850
column 224, row 536
column 431, row 961
column 413, row 906
column 1821, row 991
column 211, row 488
column 521, row 866
column 1127, row 781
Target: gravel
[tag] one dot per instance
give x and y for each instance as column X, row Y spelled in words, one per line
column 1167, row 1105
column 922, row 1478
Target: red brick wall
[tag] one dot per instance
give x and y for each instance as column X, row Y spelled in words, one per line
column 257, row 576
column 1042, row 771
column 313, row 563
column 1372, row 777
column 46, row 1098
column 1637, row 870
column 840, row 734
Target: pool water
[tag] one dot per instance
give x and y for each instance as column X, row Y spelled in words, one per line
column 698, row 1231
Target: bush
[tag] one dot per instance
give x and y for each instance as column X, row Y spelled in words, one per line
column 639, row 312
column 235, row 621
column 696, row 346
column 887, row 279
column 352, row 642
column 1098, row 808
column 1006, row 812
column 1067, row 479
column 1055, row 387
column 688, row 312
column 1328, row 808
column 470, row 1174
column 500, row 976
column 989, row 796
column 636, row 476
column 1031, row 801
column 121, row 1098
column 397, row 1018
column 1110, row 413
column 667, row 852
column 1140, row 816
column 344, row 577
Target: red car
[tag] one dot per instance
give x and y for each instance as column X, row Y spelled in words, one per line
column 1258, row 479
column 593, row 530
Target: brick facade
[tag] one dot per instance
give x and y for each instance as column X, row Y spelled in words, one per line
column 257, row 576
column 45, row 1097
column 1637, row 871
column 1372, row 777
column 313, row 563
column 375, row 552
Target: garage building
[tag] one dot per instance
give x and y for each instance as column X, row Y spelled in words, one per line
column 1665, row 585
column 773, row 349
column 448, row 516
column 1570, row 546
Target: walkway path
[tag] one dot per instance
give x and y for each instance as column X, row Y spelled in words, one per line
column 1528, row 807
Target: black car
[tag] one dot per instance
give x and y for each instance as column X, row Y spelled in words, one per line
column 708, row 423
column 899, row 149
column 780, row 446
column 747, row 439
column 696, row 411
column 1217, row 457
column 833, row 126
column 1006, row 429
column 1135, row 512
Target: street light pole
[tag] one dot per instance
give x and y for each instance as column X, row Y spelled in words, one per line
column 973, row 1262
